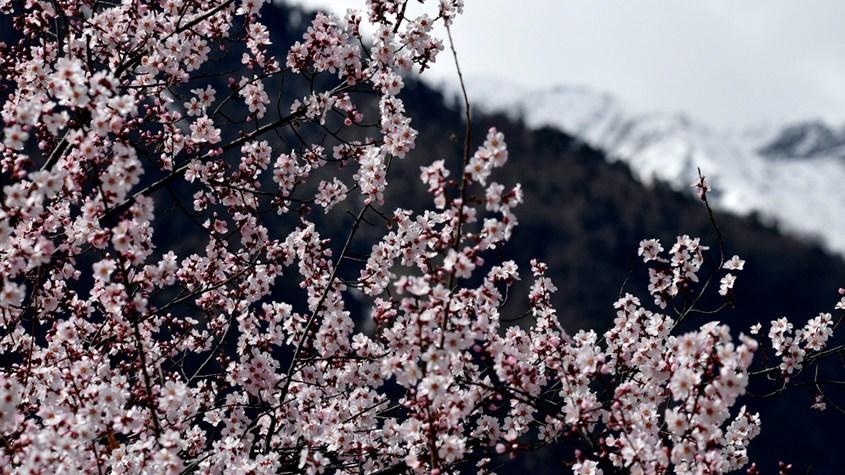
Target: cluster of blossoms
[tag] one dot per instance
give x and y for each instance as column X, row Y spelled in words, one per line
column 794, row 348
column 124, row 354
column 675, row 273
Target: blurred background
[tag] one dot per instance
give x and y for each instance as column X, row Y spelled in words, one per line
column 752, row 92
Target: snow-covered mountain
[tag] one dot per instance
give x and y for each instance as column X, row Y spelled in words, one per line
column 793, row 176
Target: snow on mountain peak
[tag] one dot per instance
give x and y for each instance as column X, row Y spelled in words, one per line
column 807, row 139
column 792, row 175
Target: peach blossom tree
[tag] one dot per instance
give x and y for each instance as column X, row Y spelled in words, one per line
column 123, row 353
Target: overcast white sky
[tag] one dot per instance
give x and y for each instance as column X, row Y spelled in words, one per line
column 726, row 62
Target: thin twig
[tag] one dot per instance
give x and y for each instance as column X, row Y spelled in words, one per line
column 304, row 338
